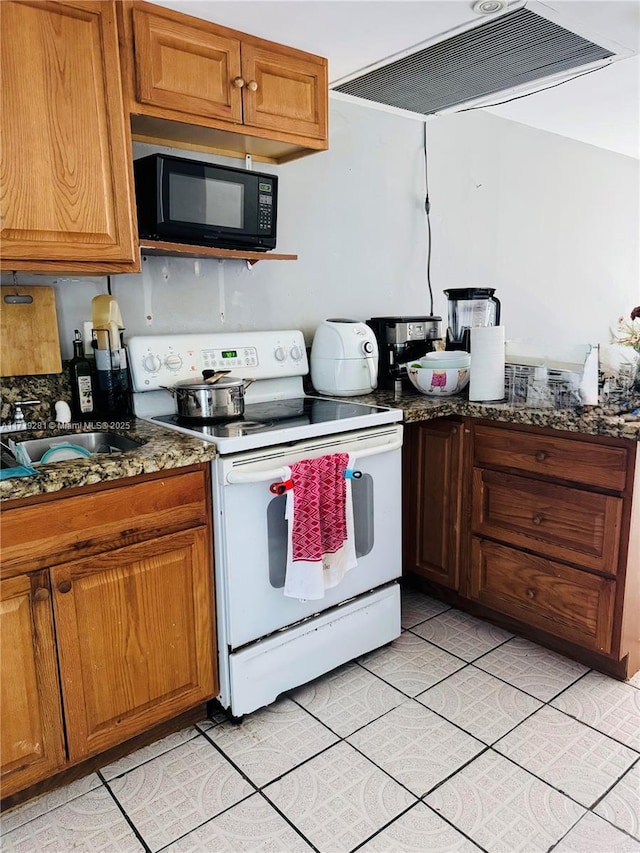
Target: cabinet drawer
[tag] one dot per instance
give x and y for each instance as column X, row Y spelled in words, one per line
column 585, row 462
column 566, row 602
column 50, row 533
column 561, row 522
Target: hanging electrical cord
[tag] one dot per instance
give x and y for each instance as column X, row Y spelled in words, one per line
column 427, row 208
column 535, row 92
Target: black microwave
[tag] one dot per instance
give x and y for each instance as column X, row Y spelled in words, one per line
column 188, row 201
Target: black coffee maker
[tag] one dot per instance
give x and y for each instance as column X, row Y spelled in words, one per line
column 402, row 339
column 470, row 307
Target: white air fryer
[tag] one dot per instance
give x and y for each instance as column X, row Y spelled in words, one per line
column 344, row 358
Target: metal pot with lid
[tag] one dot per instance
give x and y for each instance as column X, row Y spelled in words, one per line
column 212, row 398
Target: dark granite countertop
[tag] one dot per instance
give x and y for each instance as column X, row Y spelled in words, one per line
column 590, row 420
column 163, row 449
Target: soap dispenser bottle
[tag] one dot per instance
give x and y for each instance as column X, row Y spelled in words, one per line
column 81, row 376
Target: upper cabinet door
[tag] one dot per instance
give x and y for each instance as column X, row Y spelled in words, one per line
column 66, row 153
column 186, row 68
column 285, row 90
column 205, row 87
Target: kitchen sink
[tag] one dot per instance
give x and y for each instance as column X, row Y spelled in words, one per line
column 75, row 445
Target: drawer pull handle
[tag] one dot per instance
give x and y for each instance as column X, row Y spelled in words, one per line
column 531, row 593
column 64, row 586
column 538, row 519
column 41, row 594
column 542, row 456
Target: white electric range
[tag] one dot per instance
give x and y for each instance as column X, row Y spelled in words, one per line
column 267, row 642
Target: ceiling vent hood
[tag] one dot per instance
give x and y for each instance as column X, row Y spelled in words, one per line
column 519, row 51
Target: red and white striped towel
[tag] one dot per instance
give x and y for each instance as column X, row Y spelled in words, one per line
column 321, row 547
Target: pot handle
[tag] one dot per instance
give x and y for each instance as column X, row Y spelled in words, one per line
column 247, row 382
column 170, row 389
column 212, row 376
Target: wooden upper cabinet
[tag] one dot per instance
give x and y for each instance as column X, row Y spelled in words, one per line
column 290, row 94
column 185, row 68
column 32, row 740
column 198, row 85
column 65, row 198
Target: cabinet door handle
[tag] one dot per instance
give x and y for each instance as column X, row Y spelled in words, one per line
column 538, row 519
column 531, row 593
column 64, row 586
column 541, row 456
column 454, row 430
column 252, row 86
column 41, row 594
column 238, row 82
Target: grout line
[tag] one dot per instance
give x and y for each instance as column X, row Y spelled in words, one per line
column 288, row 820
column 134, row 829
column 197, row 733
column 27, row 803
column 636, row 763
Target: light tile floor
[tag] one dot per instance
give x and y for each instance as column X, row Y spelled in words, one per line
column 456, row 737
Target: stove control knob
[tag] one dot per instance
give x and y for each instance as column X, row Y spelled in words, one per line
column 151, row 363
column 279, row 354
column 295, row 352
column 367, row 347
column 173, row 362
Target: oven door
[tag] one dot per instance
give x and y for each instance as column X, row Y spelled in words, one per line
column 251, row 531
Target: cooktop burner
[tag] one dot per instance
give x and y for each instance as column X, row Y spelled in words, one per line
column 277, row 412
column 274, row 415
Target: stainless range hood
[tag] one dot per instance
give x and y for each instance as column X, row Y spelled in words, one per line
column 521, row 50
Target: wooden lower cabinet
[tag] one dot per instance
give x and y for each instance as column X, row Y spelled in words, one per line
column 101, row 648
column 433, row 481
column 134, row 638
column 566, row 602
column 535, row 529
column 31, row 734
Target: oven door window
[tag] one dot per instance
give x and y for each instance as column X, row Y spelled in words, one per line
column 277, row 528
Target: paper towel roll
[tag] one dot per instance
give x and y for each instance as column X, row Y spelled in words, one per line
column 487, row 363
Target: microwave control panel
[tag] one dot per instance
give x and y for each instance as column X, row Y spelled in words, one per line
column 265, row 206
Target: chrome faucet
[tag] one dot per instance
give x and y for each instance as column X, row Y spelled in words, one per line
column 18, row 422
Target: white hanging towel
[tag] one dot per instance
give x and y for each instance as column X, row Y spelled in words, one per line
column 321, row 541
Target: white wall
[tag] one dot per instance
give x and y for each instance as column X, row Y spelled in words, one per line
column 551, row 223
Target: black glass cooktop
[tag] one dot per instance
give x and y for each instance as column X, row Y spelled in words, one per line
column 274, row 415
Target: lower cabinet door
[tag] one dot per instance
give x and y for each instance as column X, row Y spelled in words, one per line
column 432, row 459
column 135, row 630
column 575, row 605
column 32, row 742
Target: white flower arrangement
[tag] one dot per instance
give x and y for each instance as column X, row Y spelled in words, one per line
column 628, row 331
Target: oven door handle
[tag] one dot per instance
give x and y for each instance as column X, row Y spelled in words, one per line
column 237, row 477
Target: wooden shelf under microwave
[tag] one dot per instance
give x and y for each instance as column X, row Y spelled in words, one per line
column 186, row 250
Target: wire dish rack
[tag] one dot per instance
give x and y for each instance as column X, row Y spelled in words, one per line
column 551, row 375
column 525, row 385
column 619, row 387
